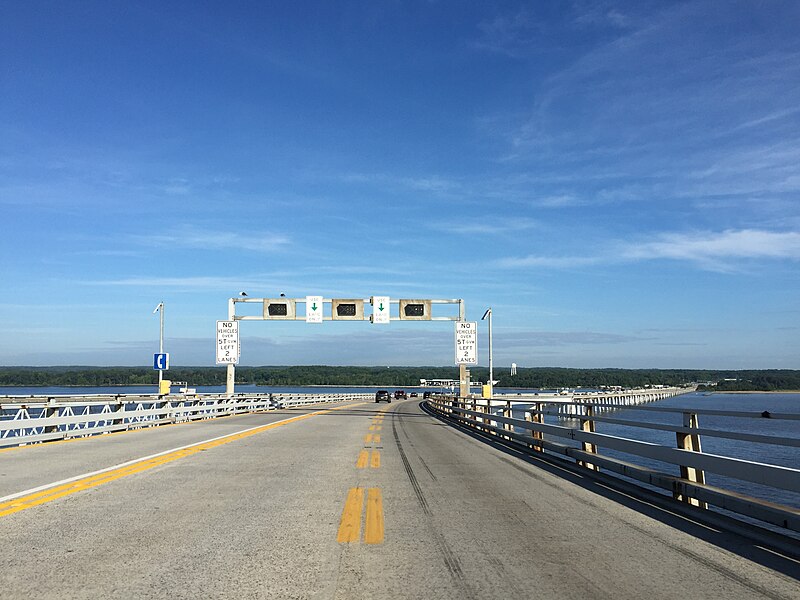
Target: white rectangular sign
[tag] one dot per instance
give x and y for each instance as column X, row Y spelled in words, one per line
column 227, row 342
column 313, row 309
column 466, row 342
column 380, row 309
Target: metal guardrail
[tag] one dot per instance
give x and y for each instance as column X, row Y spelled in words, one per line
column 534, row 435
column 33, row 419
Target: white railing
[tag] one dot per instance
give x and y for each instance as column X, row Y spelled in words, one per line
column 533, row 435
column 32, row 419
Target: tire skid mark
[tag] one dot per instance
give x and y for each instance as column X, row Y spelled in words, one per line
column 424, row 464
column 450, row 559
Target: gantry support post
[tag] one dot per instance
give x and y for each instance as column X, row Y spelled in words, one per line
column 231, row 374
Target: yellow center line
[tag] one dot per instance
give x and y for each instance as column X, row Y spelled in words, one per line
column 350, row 525
column 363, row 457
column 373, row 527
column 376, row 438
column 375, row 459
column 41, row 496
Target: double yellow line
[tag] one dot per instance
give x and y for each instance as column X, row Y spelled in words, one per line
column 31, row 498
column 350, row 524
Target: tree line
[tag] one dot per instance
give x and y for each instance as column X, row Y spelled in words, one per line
column 539, row 377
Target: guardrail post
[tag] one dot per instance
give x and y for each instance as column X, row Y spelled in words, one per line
column 690, row 442
column 118, row 418
column 536, row 416
column 508, row 415
column 48, row 413
column 588, row 425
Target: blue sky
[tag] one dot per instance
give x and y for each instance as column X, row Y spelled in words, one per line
column 619, row 181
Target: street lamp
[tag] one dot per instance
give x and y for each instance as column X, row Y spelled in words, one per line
column 160, row 309
column 488, row 314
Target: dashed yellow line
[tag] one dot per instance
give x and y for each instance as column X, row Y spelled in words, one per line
column 365, row 458
column 41, row 496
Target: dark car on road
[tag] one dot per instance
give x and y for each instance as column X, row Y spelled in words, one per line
column 381, row 395
column 400, row 395
column 426, row 395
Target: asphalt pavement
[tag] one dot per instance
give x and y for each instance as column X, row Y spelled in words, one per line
column 358, row 500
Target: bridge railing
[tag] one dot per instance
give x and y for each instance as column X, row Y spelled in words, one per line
column 32, row 419
column 578, row 440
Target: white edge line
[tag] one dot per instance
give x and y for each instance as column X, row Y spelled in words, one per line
column 142, row 459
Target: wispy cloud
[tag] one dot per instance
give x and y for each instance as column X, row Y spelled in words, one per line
column 183, row 283
column 716, row 251
column 721, row 251
column 213, row 239
column 527, row 339
column 509, row 34
column 717, row 114
column 487, row 226
column 426, row 183
column 777, row 115
column 551, row 262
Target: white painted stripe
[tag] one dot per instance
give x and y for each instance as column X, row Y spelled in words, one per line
column 142, row 459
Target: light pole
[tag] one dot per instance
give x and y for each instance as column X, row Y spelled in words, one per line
column 160, row 309
column 488, row 314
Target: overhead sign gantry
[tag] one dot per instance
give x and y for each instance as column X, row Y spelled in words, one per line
column 316, row 309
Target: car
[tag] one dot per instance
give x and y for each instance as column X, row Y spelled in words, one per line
column 400, row 395
column 381, row 395
column 426, row 395
column 413, row 394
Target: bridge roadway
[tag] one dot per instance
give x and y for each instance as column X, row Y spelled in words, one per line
column 268, row 514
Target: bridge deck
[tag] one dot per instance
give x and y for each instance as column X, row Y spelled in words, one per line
column 435, row 514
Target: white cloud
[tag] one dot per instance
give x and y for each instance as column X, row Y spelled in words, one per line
column 714, row 250
column 184, row 283
column 430, row 183
column 214, row 239
column 551, row 262
column 486, row 226
column 707, row 250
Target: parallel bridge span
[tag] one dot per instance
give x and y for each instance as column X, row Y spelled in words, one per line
column 33, row 419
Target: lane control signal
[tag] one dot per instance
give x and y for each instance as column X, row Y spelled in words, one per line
column 415, row 310
column 347, row 310
column 279, row 308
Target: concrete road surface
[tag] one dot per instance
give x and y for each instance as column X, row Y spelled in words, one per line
column 345, row 501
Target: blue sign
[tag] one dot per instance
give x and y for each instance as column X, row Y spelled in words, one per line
column 161, row 361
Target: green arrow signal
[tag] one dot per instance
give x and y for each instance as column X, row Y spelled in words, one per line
column 381, row 306
column 314, row 306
